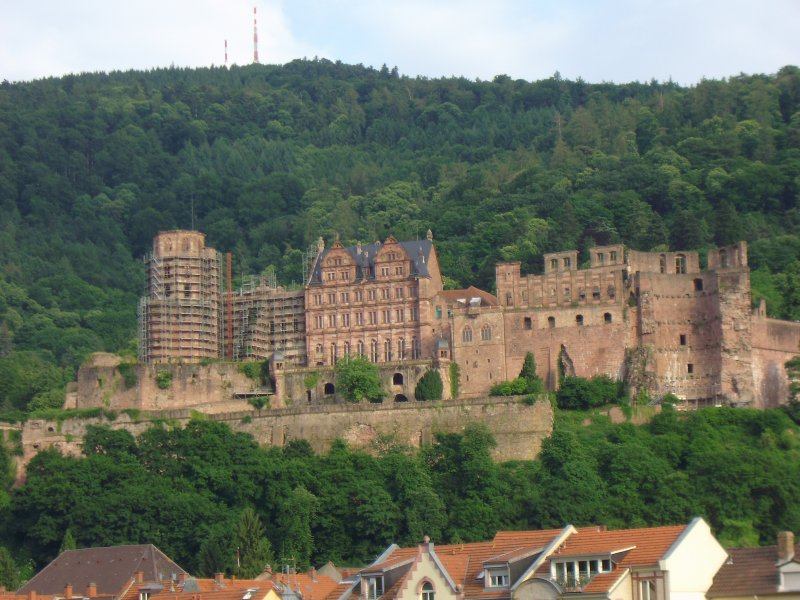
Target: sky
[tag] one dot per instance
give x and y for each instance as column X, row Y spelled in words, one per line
column 596, row 40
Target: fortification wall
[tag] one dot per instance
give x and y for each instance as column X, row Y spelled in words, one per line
column 518, row 428
column 210, row 388
column 774, row 343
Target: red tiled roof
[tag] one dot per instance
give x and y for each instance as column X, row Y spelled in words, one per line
column 315, row 587
column 748, row 572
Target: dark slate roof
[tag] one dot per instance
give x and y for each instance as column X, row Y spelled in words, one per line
column 748, row 572
column 111, row 569
column 419, row 251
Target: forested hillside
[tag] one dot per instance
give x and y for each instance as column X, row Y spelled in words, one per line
column 265, row 159
column 196, row 492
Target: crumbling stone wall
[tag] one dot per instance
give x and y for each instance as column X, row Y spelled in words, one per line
column 774, row 343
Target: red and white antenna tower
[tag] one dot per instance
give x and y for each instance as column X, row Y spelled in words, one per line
column 255, row 37
column 226, row 53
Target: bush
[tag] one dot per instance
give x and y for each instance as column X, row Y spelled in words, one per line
column 515, row 387
column 358, row 379
column 259, row 402
column 578, row 393
column 455, row 380
column 164, row 379
column 128, row 372
column 430, row 386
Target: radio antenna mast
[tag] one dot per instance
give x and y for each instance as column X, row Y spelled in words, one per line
column 255, row 37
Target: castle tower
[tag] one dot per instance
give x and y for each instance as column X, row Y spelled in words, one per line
column 179, row 316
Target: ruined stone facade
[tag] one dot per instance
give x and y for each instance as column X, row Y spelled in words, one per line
column 655, row 320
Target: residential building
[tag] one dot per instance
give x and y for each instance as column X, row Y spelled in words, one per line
column 105, row 571
column 766, row 572
column 656, row 563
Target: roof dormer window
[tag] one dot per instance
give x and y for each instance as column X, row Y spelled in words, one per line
column 374, row 587
column 497, row 578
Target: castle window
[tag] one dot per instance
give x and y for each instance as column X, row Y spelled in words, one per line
column 416, row 348
column 384, row 271
column 551, row 322
column 662, row 264
column 567, row 263
column 566, row 292
column 486, row 333
column 683, row 339
column 168, row 290
column 329, row 389
column 387, row 351
column 346, row 320
column 581, row 294
column 319, row 349
column 360, row 347
column 386, row 316
column 466, row 335
column 373, row 351
column 596, row 294
column 331, row 298
column 345, row 275
column 371, row 295
column 601, row 258
column 508, row 299
column 554, row 264
column 414, row 313
column 347, row 348
column 398, row 270
column 613, row 255
column 401, row 349
column 579, row 320
column 345, row 297
column 333, row 354
column 528, row 323
column 690, row 368
column 359, row 296
column 317, row 298
column 438, row 312
column 607, row 317
column 331, row 275
column 698, row 285
column 399, row 315
column 397, row 379
column 723, row 259
column 384, row 294
column 612, row 291
column 427, row 592
column 680, row 264
column 399, row 293
column 187, row 290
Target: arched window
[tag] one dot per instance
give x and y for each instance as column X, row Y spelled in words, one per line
column 401, row 349
column 607, row 318
column 360, row 348
column 579, row 320
column 347, row 348
column 486, row 333
column 662, row 263
column 427, row 591
column 387, row 351
column 551, row 322
column 466, row 335
column 330, row 389
column 397, row 379
column 680, row 264
column 333, row 354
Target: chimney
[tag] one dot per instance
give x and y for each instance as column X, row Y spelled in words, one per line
column 138, row 576
column 91, row 590
column 218, row 577
column 68, row 591
column 785, row 546
column 267, row 572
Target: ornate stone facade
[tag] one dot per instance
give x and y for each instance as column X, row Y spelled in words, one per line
column 372, row 300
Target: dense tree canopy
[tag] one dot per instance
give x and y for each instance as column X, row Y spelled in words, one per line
column 201, row 492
